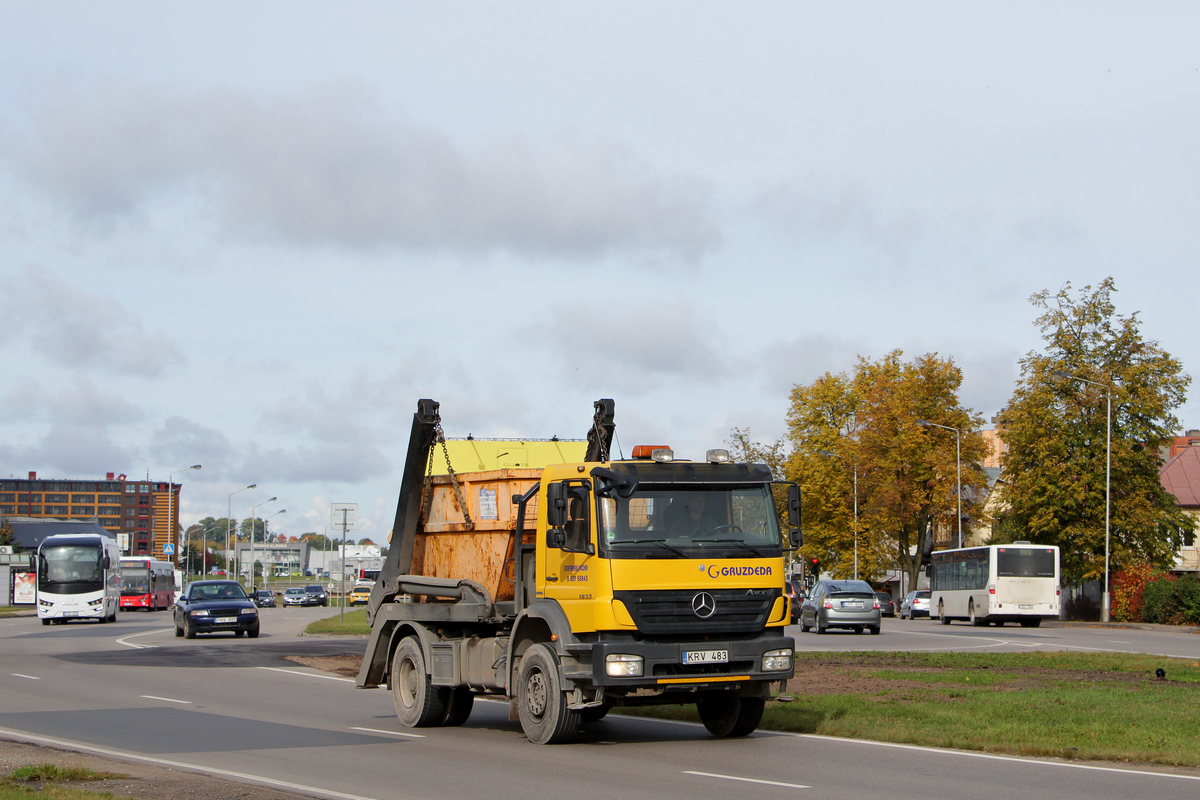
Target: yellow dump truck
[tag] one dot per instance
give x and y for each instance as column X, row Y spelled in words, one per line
column 575, row 588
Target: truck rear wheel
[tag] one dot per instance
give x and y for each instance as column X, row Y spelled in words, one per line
column 541, row 703
column 459, row 702
column 730, row 714
column 419, row 704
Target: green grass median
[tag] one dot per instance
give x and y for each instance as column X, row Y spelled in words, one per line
column 1073, row 705
column 355, row 623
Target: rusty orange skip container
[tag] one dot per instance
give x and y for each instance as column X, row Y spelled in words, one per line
column 447, row 546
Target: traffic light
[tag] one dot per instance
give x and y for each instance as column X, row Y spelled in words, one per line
column 814, row 566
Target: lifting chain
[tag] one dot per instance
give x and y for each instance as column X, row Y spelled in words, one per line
column 440, row 437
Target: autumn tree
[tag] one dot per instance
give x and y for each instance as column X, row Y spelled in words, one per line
column 864, row 426
column 1056, row 429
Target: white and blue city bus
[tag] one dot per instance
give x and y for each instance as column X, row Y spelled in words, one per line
column 995, row 584
column 78, row 577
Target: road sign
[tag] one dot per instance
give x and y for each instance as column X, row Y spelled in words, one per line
column 168, row 549
column 344, row 514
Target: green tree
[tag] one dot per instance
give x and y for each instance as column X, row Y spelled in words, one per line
column 318, row 541
column 7, row 537
column 1055, row 428
column 865, row 425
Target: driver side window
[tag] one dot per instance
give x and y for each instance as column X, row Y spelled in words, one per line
column 578, row 527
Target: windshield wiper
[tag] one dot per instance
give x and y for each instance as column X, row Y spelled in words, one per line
column 660, row 542
column 749, row 547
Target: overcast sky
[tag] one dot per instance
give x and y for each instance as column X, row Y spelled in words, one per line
column 253, row 235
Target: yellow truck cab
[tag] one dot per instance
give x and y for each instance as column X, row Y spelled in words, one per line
column 605, row 583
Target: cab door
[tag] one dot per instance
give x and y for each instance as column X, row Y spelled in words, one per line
column 568, row 574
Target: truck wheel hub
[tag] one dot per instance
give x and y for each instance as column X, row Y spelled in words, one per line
column 535, row 691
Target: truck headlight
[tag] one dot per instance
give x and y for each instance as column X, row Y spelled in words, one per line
column 777, row 660
column 623, row 665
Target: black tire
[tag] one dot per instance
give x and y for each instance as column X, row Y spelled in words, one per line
column 45, row 622
column 594, row 713
column 942, row 614
column 820, row 628
column 103, row 619
column 804, row 628
column 976, row 621
column 729, row 714
column 178, row 631
column 188, row 631
column 238, row 633
column 858, row 628
column 1036, row 622
column 874, row 629
column 459, row 702
column 541, row 703
column 418, row 702
column 253, row 632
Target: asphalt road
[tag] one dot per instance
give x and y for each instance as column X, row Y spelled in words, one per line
column 238, row 708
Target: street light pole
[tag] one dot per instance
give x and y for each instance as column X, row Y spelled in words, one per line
column 1105, row 601
column 266, row 570
column 855, row 467
column 957, row 467
column 229, row 532
column 253, row 511
column 171, row 526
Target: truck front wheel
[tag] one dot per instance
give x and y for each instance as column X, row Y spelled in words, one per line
column 419, row 704
column 541, row 703
column 730, row 714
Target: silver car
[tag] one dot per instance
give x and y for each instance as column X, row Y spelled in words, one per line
column 840, row 604
column 915, row 604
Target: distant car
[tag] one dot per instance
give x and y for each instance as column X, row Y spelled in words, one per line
column 915, row 604
column 795, row 593
column 264, row 598
column 316, row 592
column 296, row 597
column 359, row 595
column 214, row 607
column 887, row 606
column 840, row 604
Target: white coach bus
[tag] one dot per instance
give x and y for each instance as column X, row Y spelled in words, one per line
column 78, row 577
column 995, row 584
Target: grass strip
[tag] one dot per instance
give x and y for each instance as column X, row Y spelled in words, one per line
column 355, row 623
column 40, row 782
column 1103, row 706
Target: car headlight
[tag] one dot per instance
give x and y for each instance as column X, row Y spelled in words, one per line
column 777, row 660
column 251, row 611
column 623, row 665
column 200, row 612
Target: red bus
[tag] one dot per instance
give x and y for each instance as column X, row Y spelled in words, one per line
column 146, row 583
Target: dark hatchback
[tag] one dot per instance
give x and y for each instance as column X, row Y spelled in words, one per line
column 887, row 606
column 316, row 593
column 213, row 607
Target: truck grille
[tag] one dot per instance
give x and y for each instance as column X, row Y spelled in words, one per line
column 670, row 612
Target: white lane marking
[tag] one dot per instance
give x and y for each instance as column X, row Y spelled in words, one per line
column 243, row 776
column 307, row 674
column 987, row 756
column 30, row 677
column 746, row 780
column 1114, row 641
column 389, row 733
column 165, row 699
column 141, row 646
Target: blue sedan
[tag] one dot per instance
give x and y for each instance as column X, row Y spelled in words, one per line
column 215, row 606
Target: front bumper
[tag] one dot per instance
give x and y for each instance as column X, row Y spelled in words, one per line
column 244, row 621
column 663, row 665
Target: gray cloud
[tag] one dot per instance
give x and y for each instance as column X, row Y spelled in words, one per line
column 329, row 166
column 325, row 462
column 182, row 441
column 80, row 329
column 81, row 404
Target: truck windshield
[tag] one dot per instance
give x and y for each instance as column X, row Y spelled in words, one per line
column 673, row 521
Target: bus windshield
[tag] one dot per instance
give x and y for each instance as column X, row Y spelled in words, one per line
column 673, row 521
column 134, row 581
column 71, row 568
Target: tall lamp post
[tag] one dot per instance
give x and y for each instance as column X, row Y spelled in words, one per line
column 266, row 569
column 170, row 515
column 855, row 467
column 957, row 466
column 229, row 531
column 254, row 509
column 1058, row 373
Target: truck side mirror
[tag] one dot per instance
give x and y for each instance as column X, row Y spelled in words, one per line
column 795, row 536
column 556, row 505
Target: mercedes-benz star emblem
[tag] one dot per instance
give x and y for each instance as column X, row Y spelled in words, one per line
column 703, row 605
